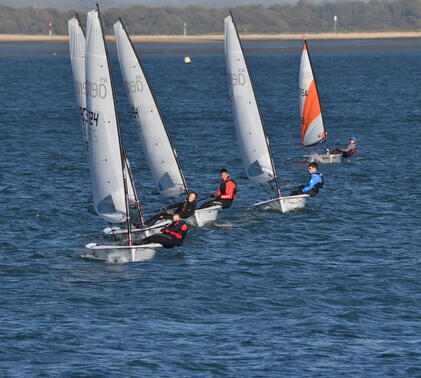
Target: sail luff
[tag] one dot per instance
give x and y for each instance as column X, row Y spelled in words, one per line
column 312, row 125
column 254, row 143
column 160, row 152
column 77, row 47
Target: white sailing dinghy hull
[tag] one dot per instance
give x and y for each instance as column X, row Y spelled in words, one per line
column 325, row 158
column 201, row 218
column 143, row 232
column 284, row 204
column 119, row 254
column 204, row 217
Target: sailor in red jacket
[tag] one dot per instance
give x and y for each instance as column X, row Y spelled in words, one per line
column 172, row 235
column 226, row 193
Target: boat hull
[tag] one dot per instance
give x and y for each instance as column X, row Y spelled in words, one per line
column 120, row 254
column 200, row 218
column 204, row 217
column 284, row 204
column 325, row 158
column 139, row 233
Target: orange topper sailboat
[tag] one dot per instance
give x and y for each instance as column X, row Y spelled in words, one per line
column 313, row 130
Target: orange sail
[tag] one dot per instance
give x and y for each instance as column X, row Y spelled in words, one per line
column 312, row 128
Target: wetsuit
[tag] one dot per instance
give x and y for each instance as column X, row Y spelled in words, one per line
column 185, row 209
column 225, row 195
column 312, row 188
column 172, row 235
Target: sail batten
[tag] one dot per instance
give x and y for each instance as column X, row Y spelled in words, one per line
column 105, row 154
column 254, row 146
column 312, row 126
column 162, row 159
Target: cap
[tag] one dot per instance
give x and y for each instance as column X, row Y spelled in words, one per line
column 353, row 138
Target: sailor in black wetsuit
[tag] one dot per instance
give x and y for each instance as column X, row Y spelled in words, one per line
column 185, row 209
column 172, row 235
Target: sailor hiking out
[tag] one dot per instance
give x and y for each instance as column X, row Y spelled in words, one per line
column 184, row 209
column 316, row 182
column 226, row 193
column 171, row 236
column 349, row 150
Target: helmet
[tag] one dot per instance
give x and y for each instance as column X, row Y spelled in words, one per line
column 353, row 138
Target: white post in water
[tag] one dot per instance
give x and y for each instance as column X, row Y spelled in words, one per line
column 335, row 19
column 185, row 28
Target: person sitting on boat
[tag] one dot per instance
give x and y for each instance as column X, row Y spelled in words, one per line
column 316, row 182
column 349, row 150
column 171, row 236
column 185, row 209
column 226, row 193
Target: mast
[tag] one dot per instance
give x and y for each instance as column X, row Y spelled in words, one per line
column 186, row 190
column 317, row 90
column 80, row 24
column 138, row 205
column 122, row 153
column 275, row 178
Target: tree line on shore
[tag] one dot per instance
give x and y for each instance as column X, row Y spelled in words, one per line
column 302, row 17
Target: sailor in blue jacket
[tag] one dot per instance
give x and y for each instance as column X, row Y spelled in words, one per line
column 316, row 182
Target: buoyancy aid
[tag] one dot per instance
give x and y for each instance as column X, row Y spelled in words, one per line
column 319, row 185
column 349, row 153
column 178, row 229
column 223, row 188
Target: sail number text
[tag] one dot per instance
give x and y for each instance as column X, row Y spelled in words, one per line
column 135, row 111
column 133, row 86
column 92, row 118
column 303, row 92
column 93, row 89
column 238, row 78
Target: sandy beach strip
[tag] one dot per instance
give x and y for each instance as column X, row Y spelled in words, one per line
column 220, row 37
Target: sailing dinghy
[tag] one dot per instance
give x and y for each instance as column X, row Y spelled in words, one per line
column 254, row 143
column 108, row 163
column 161, row 155
column 313, row 130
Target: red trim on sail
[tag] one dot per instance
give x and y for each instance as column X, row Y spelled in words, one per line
column 311, row 110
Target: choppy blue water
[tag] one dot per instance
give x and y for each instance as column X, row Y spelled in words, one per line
column 331, row 291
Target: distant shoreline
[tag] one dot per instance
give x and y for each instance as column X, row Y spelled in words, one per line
column 220, row 37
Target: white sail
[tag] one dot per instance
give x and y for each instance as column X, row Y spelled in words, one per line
column 312, row 128
column 248, row 122
column 103, row 129
column 77, row 57
column 77, row 44
column 162, row 158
